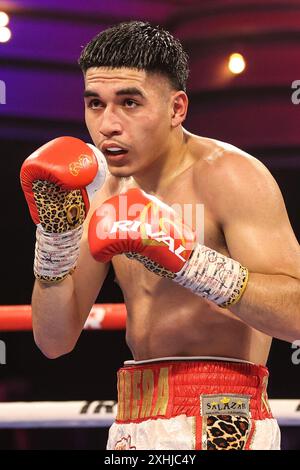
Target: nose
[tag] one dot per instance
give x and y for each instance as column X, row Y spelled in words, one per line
column 110, row 124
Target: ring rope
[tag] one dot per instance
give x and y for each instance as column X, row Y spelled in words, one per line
column 95, row 414
column 101, row 317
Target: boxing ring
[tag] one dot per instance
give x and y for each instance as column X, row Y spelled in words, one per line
column 89, row 414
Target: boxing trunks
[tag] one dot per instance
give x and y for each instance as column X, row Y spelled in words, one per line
column 193, row 403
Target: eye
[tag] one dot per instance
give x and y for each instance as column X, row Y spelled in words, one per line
column 94, row 104
column 130, row 103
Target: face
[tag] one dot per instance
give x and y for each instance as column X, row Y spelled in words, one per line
column 129, row 116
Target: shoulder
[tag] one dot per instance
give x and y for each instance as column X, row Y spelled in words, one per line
column 234, row 179
column 221, row 160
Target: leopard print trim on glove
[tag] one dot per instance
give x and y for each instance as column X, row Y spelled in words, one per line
column 61, row 213
column 59, row 210
column 151, row 265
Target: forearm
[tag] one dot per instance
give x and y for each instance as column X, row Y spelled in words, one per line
column 55, row 317
column 271, row 304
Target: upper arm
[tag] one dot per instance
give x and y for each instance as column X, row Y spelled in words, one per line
column 255, row 222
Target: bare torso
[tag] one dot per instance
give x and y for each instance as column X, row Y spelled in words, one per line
column 165, row 319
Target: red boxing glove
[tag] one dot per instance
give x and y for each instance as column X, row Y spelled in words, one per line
column 58, row 180
column 65, row 163
column 144, row 228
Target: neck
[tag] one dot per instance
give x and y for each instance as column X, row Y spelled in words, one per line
column 163, row 170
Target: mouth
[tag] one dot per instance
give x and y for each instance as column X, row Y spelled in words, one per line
column 114, row 153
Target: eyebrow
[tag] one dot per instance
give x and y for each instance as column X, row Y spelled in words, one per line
column 132, row 91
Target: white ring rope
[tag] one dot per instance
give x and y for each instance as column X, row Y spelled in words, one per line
column 57, row 414
column 71, row 414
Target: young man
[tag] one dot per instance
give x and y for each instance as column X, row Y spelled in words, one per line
column 202, row 309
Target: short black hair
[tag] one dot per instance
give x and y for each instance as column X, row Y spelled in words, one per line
column 138, row 45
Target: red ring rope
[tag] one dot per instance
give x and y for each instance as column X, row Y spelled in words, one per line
column 102, row 316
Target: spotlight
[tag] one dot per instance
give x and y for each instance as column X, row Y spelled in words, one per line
column 4, row 19
column 236, row 63
column 5, row 34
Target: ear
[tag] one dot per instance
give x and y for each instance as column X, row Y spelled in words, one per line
column 179, row 105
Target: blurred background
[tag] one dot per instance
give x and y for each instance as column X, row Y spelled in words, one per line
column 41, row 90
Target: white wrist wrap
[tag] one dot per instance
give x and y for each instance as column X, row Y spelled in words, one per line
column 56, row 254
column 213, row 276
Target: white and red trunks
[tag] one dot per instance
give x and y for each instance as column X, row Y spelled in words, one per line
column 191, row 404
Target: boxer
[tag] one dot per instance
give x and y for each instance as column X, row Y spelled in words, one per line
column 203, row 299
